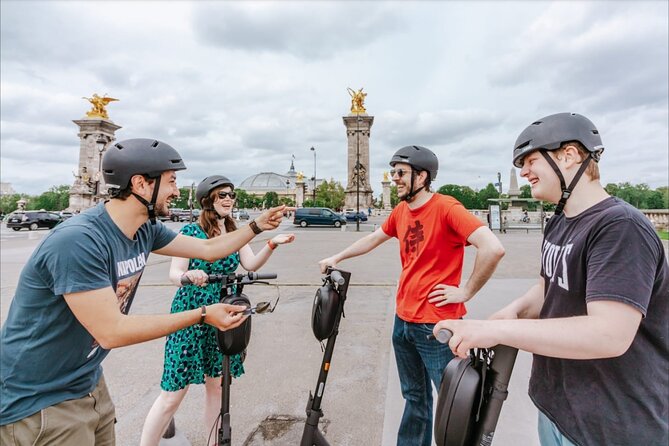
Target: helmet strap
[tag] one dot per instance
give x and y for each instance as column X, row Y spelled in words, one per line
column 566, row 191
column 412, row 193
column 151, row 207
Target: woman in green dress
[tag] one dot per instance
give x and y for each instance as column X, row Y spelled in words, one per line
column 192, row 355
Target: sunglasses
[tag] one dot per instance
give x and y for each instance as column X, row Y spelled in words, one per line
column 400, row 172
column 261, row 308
column 223, row 195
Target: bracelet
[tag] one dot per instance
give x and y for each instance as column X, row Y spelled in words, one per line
column 254, row 227
column 203, row 315
column 271, row 245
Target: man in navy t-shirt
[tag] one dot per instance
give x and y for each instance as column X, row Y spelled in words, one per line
column 600, row 374
column 74, row 293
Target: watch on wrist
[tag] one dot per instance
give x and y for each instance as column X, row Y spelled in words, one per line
column 254, row 227
column 203, row 314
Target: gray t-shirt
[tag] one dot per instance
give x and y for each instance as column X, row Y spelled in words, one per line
column 46, row 355
column 608, row 252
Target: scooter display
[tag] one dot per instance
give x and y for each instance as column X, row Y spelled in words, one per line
column 232, row 342
column 471, row 395
column 327, row 311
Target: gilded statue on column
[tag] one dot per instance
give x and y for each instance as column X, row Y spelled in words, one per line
column 357, row 101
column 99, row 106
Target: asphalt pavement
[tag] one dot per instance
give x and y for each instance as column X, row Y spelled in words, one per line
column 362, row 401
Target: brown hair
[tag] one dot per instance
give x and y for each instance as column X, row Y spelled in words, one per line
column 592, row 170
column 209, row 217
column 122, row 194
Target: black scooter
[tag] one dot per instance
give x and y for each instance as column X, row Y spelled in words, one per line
column 471, row 395
column 232, row 342
column 327, row 311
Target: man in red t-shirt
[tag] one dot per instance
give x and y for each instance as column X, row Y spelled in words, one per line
column 433, row 231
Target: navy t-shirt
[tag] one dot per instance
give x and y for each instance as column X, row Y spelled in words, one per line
column 46, row 355
column 608, row 252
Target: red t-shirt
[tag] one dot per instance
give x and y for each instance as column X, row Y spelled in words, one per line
column 432, row 247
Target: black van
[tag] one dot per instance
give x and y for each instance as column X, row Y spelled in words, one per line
column 318, row 216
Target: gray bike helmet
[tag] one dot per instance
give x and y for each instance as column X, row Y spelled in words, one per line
column 419, row 158
column 140, row 156
column 550, row 133
column 210, row 183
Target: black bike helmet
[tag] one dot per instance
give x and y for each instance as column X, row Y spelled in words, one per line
column 235, row 341
column 324, row 312
column 419, row 158
column 208, row 184
column 140, row 156
column 550, row 133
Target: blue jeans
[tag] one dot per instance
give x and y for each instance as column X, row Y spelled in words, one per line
column 419, row 361
column 549, row 435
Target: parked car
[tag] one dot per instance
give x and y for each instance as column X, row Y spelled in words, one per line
column 33, row 220
column 66, row 214
column 350, row 216
column 318, row 216
column 240, row 214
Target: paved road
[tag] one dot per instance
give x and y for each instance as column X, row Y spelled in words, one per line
column 362, row 402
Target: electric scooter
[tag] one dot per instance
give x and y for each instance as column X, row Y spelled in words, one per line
column 471, row 395
column 326, row 314
column 232, row 342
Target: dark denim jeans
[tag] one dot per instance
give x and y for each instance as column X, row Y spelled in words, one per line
column 419, row 361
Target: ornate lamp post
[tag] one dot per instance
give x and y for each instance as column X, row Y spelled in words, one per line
column 314, row 190
column 287, row 187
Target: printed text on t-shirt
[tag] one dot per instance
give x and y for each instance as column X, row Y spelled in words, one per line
column 125, row 267
column 554, row 261
column 412, row 239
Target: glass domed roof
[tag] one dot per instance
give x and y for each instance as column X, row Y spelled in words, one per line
column 266, row 181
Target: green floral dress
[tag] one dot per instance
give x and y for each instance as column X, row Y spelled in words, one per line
column 192, row 353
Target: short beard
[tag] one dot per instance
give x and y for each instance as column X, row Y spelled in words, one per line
column 161, row 210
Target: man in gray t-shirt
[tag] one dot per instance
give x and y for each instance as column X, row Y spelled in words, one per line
column 600, row 374
column 74, row 293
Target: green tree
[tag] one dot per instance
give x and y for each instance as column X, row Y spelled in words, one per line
column 484, row 194
column 244, row 200
column 182, row 201
column 394, row 198
column 464, row 194
column 664, row 191
column 330, row 194
column 56, row 198
column 8, row 202
column 270, row 199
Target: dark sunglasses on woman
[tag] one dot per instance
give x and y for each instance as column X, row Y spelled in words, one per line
column 223, row 195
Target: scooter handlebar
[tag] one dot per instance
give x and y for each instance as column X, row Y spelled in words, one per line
column 252, row 277
column 337, row 277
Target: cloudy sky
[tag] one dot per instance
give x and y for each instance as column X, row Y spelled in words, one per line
column 240, row 87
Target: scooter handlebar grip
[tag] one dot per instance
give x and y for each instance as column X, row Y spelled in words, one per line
column 185, row 280
column 261, row 276
column 444, row 335
column 337, row 277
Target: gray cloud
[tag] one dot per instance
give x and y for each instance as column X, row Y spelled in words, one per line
column 239, row 87
column 302, row 29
